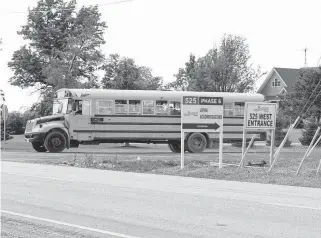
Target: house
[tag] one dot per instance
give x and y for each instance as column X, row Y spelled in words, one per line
column 278, row 82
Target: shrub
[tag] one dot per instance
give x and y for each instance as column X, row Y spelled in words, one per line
column 308, row 132
column 8, row 136
column 15, row 123
column 281, row 124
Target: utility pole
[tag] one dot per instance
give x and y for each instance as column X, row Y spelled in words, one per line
column 4, row 116
column 305, row 57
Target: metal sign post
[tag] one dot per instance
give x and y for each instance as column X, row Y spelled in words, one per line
column 258, row 116
column 4, row 117
column 202, row 114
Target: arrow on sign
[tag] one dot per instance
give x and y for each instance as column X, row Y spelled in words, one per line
column 216, row 126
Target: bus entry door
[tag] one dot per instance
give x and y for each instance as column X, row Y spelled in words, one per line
column 80, row 123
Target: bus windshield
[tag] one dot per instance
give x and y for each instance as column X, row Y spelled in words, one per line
column 62, row 106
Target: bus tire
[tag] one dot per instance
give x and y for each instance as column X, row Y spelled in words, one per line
column 196, row 143
column 38, row 146
column 176, row 147
column 55, row 142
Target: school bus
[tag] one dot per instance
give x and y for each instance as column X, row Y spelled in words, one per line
column 94, row 116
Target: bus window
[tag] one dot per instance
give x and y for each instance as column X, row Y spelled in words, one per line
column 175, row 108
column 161, row 108
column 121, row 107
column 62, row 106
column 135, row 107
column 239, row 108
column 85, row 107
column 148, row 107
column 228, row 110
column 105, row 107
column 77, row 107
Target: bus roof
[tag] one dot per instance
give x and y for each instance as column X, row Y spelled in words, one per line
column 155, row 95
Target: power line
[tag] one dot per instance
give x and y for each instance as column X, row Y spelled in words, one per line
column 68, row 9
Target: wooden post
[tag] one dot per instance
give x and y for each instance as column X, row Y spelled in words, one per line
column 244, row 142
column 247, row 149
column 276, row 155
column 272, row 145
column 318, row 169
column 307, row 153
column 315, row 144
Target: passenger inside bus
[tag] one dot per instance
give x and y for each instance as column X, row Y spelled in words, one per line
column 78, row 107
column 174, row 108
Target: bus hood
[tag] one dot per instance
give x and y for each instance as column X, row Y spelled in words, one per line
column 32, row 123
column 57, row 117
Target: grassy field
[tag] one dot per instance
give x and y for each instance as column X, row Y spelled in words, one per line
column 199, row 165
column 196, row 165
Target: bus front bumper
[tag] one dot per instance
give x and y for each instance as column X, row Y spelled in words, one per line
column 33, row 137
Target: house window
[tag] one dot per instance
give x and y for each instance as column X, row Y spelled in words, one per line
column 276, row 83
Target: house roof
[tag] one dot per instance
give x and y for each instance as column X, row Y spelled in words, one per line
column 288, row 75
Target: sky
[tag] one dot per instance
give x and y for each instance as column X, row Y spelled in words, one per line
column 161, row 34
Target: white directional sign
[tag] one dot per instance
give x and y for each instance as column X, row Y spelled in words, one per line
column 202, row 114
column 260, row 116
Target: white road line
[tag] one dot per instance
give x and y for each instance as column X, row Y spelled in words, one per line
column 69, row 224
column 295, row 206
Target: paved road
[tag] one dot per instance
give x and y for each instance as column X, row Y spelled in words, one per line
column 54, row 201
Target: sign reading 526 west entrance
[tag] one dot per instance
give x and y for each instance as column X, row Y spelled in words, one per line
column 202, row 114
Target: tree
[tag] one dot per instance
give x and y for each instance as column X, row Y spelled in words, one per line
column 293, row 103
column 44, row 107
column 222, row 69
column 308, row 132
column 15, row 124
column 63, row 47
column 123, row 73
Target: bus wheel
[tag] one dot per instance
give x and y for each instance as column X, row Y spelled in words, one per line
column 38, row 146
column 55, row 142
column 176, row 147
column 196, row 143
